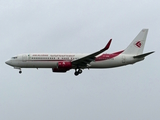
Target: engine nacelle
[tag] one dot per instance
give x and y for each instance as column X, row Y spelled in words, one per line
column 59, row 70
column 64, row 65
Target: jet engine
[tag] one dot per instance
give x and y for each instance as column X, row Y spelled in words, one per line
column 66, row 65
column 62, row 66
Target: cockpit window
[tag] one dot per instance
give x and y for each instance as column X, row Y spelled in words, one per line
column 14, row 57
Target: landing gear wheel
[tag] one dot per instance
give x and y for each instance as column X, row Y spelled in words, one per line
column 79, row 71
column 20, row 72
column 76, row 73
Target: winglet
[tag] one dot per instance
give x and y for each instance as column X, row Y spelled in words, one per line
column 108, row 45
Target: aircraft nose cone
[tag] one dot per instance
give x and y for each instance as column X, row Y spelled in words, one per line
column 8, row 62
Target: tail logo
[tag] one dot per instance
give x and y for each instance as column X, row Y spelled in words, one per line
column 138, row 44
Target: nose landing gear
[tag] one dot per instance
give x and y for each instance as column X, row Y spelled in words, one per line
column 20, row 71
column 77, row 72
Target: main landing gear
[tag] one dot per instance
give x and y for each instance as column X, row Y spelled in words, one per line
column 77, row 72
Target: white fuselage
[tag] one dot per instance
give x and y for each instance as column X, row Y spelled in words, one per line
column 45, row 60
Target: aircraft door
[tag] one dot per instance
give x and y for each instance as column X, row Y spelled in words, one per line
column 24, row 58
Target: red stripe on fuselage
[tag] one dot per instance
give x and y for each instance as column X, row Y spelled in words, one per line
column 108, row 56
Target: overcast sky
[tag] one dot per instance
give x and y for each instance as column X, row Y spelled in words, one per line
column 68, row 26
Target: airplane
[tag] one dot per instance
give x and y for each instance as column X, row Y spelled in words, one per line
column 62, row 63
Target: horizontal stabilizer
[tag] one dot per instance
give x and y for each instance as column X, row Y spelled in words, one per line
column 143, row 55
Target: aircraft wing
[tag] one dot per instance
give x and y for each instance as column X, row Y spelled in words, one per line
column 84, row 61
